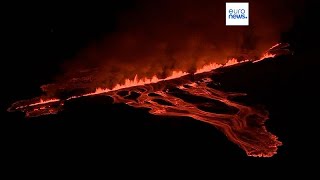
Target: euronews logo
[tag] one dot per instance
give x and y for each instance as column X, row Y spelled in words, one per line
column 237, row 14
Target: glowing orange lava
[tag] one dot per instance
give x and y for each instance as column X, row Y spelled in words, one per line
column 138, row 82
column 265, row 56
column 45, row 101
column 207, row 68
column 37, row 103
column 243, row 125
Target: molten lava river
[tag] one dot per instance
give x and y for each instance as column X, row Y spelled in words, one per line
column 188, row 95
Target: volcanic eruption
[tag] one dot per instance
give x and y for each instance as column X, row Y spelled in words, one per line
column 166, row 62
column 188, row 95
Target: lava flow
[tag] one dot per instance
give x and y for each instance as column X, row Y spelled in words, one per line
column 188, row 95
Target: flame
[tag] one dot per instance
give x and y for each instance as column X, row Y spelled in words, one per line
column 40, row 102
column 175, row 74
column 231, row 62
column 207, row 68
column 212, row 66
column 137, row 82
column 274, row 46
column 45, row 101
column 265, row 56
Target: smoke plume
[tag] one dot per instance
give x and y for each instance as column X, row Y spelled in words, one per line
column 157, row 37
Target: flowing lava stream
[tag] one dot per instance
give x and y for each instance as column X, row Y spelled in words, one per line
column 177, row 95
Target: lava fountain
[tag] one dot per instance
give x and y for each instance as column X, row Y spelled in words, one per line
column 188, row 95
